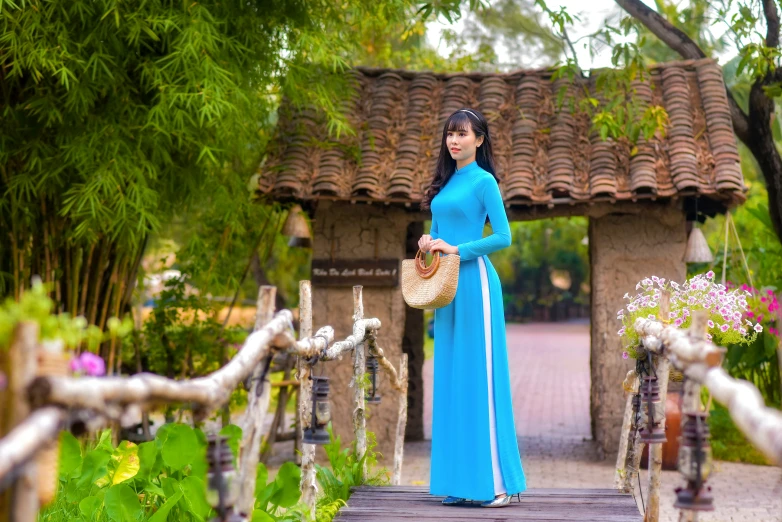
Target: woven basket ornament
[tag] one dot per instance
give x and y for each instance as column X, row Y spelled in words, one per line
column 430, row 287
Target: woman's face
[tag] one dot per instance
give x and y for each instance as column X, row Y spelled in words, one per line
column 462, row 144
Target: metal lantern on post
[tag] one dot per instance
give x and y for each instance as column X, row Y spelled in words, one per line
column 372, row 367
column 651, row 433
column 316, row 433
column 695, row 463
column 221, row 489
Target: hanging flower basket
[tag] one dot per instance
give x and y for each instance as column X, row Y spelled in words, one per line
column 728, row 323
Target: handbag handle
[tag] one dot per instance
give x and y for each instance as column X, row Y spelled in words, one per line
column 420, row 264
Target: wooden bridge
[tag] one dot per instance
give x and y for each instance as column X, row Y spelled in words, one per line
column 414, row 503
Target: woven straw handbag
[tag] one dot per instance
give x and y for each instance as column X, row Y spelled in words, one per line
column 433, row 286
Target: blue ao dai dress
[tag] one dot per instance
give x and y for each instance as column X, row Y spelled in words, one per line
column 475, row 453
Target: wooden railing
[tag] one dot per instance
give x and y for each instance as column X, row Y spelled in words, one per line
column 42, row 405
column 689, row 352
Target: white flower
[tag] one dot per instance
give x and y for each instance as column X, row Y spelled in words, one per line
column 758, row 328
column 626, row 296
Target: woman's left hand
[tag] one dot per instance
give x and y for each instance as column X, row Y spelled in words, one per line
column 442, row 246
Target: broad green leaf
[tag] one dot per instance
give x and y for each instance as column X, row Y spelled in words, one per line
column 234, row 434
column 170, row 486
column 161, row 515
column 104, row 442
column 122, row 504
column 149, row 487
column 262, row 516
column 287, row 485
column 70, row 455
column 148, row 456
column 93, row 468
column 89, row 505
column 261, row 476
column 180, row 447
column 194, row 495
column 126, row 462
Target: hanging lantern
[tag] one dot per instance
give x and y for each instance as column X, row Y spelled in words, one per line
column 695, row 463
column 221, row 490
column 651, row 433
column 372, row 367
column 297, row 229
column 697, row 250
column 321, row 413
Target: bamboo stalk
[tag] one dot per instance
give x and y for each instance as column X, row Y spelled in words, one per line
column 96, row 286
column 86, row 281
column 359, row 368
column 257, row 406
column 308, row 485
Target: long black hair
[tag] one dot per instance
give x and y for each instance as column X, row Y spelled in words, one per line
column 460, row 120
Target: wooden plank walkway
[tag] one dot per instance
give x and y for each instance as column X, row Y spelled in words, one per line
column 414, row 503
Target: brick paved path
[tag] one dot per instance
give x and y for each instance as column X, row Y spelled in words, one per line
column 549, row 366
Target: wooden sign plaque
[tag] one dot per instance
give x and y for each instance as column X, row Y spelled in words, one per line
column 350, row 272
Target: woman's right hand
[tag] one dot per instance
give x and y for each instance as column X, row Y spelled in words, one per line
column 425, row 242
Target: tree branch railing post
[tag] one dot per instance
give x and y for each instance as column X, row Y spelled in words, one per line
column 308, row 485
column 359, row 368
column 662, row 370
column 258, row 397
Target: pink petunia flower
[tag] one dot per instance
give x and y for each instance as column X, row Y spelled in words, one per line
column 88, row 363
column 724, row 327
column 625, row 355
column 93, row 364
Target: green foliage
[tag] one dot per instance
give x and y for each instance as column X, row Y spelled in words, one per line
column 727, row 441
column 345, row 471
column 35, row 305
column 182, row 335
column 538, row 248
column 155, row 481
column 758, row 363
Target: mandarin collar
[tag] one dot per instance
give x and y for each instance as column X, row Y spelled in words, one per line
column 467, row 167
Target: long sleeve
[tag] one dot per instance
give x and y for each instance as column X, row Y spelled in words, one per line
column 433, row 229
column 488, row 192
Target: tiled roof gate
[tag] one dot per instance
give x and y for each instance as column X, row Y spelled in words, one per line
column 543, row 156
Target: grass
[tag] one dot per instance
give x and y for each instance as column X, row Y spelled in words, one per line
column 728, row 443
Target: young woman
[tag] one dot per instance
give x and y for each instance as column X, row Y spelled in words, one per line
column 475, row 455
